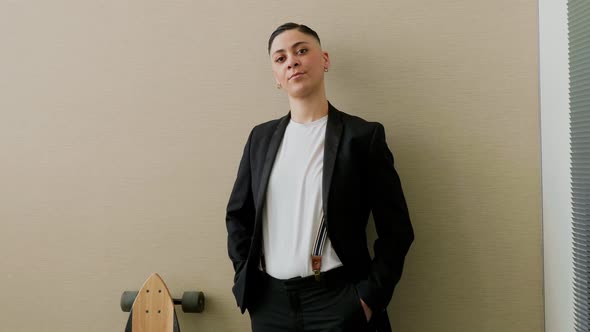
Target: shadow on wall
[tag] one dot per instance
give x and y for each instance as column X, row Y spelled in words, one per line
column 441, row 266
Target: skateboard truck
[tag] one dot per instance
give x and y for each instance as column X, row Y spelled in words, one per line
column 191, row 301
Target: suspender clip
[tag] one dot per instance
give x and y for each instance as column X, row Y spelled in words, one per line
column 316, row 266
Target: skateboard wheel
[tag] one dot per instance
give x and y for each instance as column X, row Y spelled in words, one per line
column 193, row 301
column 127, row 299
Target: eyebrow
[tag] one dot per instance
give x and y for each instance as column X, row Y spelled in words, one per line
column 293, row 46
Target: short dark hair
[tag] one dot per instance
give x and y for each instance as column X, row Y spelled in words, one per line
column 290, row 26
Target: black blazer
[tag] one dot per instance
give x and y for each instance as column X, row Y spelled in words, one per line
column 358, row 177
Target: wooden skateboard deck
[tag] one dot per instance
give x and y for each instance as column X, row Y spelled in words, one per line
column 153, row 309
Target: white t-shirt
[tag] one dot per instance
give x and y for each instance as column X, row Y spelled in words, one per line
column 293, row 205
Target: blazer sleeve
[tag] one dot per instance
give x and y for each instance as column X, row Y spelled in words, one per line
column 240, row 212
column 392, row 222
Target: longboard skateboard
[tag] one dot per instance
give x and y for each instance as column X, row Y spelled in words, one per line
column 152, row 307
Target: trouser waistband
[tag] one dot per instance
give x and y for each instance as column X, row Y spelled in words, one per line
column 334, row 277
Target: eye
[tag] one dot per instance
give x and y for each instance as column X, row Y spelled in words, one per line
column 279, row 59
column 302, row 51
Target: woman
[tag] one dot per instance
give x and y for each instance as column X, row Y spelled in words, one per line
column 298, row 211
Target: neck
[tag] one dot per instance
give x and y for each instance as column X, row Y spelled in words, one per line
column 308, row 109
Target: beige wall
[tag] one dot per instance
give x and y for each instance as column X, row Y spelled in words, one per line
column 122, row 123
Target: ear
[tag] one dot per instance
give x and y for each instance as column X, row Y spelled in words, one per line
column 277, row 81
column 326, row 58
column 276, row 78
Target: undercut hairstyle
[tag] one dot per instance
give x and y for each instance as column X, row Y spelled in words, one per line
column 290, row 26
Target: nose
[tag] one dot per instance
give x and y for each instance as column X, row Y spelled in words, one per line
column 293, row 62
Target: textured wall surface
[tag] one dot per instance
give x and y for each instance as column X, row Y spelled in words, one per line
column 122, row 124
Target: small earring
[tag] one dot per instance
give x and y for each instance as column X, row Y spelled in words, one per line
column 326, row 70
column 279, row 85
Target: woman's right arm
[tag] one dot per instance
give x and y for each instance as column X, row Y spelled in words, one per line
column 241, row 212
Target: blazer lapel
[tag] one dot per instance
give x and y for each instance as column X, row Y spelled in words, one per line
column 271, row 153
column 269, row 159
column 333, row 134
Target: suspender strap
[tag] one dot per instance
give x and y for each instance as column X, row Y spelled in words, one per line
column 316, row 254
column 318, row 248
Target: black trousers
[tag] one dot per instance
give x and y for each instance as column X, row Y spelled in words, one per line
column 305, row 305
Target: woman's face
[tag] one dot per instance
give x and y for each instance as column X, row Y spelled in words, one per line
column 298, row 63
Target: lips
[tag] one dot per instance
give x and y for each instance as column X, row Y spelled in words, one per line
column 296, row 74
